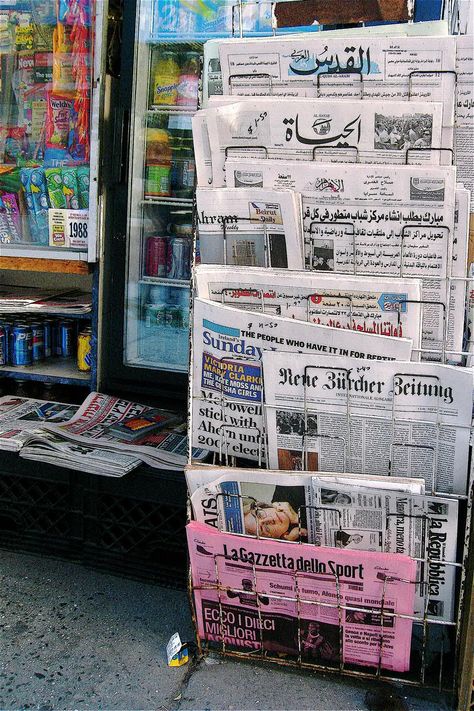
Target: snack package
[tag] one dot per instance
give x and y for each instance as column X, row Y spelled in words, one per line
column 16, row 145
column 59, row 122
column 83, row 185
column 34, row 186
column 73, row 12
column 54, row 183
column 10, row 218
column 70, row 189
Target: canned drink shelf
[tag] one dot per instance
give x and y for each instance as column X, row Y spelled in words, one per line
column 157, row 364
column 57, row 370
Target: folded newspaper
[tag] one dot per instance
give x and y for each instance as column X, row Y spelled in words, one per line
column 406, row 419
column 297, row 129
column 318, row 604
column 340, row 511
column 19, row 299
column 382, row 305
column 226, row 374
column 94, row 423
column 19, row 416
column 371, row 220
column 257, row 228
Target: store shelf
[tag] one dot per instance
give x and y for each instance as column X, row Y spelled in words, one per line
column 155, row 109
column 167, row 201
column 75, row 264
column 182, row 283
column 53, row 370
column 157, row 365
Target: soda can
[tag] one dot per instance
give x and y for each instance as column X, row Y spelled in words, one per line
column 3, row 346
column 155, row 315
column 179, row 258
column 156, row 256
column 174, row 318
column 66, row 334
column 22, row 345
column 84, row 351
column 7, row 328
column 56, row 337
column 37, row 331
column 48, row 337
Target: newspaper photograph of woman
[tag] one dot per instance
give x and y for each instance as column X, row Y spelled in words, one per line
column 277, row 512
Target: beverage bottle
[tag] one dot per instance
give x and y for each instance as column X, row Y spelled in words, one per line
column 158, row 163
column 165, row 80
column 188, row 86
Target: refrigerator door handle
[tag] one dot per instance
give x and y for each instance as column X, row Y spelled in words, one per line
column 121, row 145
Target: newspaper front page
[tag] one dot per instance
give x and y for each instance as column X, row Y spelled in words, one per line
column 254, row 228
column 297, row 129
column 321, row 65
column 464, row 115
column 385, row 306
column 423, row 527
column 227, row 381
column 362, row 219
column 407, row 419
column 98, row 413
column 20, row 415
column 302, row 600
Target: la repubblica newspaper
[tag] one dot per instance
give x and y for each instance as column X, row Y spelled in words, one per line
column 319, row 604
column 406, row 419
column 339, row 511
column 228, row 345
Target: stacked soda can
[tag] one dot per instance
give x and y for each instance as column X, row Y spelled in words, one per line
column 26, row 340
column 168, row 257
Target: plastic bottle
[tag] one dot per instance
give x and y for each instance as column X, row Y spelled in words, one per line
column 166, row 79
column 158, row 163
column 188, row 86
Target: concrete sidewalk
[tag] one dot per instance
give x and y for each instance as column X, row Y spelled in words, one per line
column 71, row 638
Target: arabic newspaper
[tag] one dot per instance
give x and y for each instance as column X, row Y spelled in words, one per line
column 41, row 446
column 359, row 219
column 212, row 75
column 388, row 307
column 464, row 115
column 20, row 415
column 409, row 419
column 321, row 65
column 423, row 527
column 202, row 476
column 258, row 228
column 301, row 600
column 227, row 386
column 294, row 129
column 98, row 413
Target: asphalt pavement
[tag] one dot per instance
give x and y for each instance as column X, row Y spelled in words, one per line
column 72, row 638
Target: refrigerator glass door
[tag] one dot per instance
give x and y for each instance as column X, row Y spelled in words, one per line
column 161, row 185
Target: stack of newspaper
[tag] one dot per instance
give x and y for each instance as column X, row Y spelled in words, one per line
column 328, row 341
column 16, row 299
column 105, row 435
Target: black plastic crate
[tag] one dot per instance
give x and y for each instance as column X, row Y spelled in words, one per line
column 40, row 507
column 135, row 526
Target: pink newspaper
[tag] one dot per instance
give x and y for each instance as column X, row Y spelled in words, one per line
column 282, row 599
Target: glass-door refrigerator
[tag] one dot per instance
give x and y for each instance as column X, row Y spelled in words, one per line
column 148, row 248
column 150, row 236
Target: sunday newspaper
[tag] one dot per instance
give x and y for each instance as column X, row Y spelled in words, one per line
column 226, row 378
